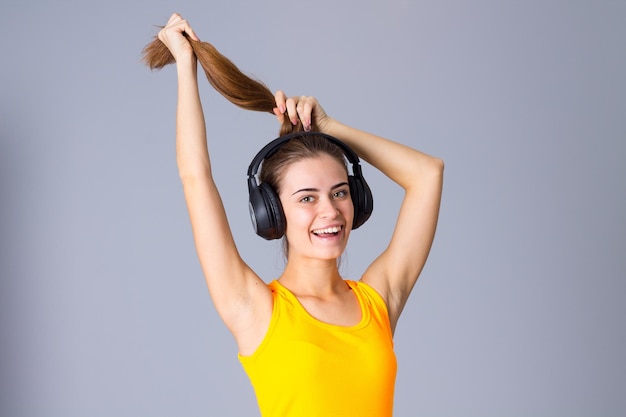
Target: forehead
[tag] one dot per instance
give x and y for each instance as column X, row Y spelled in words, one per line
column 319, row 172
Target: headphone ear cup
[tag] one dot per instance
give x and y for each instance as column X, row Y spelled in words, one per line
column 258, row 210
column 266, row 212
column 275, row 214
column 362, row 200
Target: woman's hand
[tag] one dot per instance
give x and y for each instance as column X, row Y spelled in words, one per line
column 173, row 36
column 305, row 109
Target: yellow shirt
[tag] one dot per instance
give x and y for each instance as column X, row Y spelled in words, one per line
column 308, row 368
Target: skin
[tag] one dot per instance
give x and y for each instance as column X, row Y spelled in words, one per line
column 241, row 297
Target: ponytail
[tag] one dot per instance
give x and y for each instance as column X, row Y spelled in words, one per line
column 225, row 77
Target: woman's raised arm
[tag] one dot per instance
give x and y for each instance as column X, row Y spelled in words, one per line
column 239, row 295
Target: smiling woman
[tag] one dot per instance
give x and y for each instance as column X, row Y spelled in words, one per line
column 311, row 342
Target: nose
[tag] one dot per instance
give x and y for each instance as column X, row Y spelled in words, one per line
column 327, row 208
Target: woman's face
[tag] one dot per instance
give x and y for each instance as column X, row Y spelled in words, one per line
column 315, row 196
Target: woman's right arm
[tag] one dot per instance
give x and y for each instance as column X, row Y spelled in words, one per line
column 241, row 298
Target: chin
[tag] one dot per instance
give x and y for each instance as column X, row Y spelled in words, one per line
column 325, row 254
column 329, row 253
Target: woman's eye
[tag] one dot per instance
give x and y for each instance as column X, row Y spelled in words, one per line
column 340, row 194
column 306, row 199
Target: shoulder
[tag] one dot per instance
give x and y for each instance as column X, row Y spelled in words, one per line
column 369, row 292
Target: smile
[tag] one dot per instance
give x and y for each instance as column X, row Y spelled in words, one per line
column 327, row 231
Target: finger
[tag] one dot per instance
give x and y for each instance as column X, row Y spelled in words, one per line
column 176, row 20
column 305, row 111
column 177, row 26
column 175, row 17
column 279, row 115
column 188, row 30
column 183, row 26
column 292, row 111
column 280, row 97
column 192, row 34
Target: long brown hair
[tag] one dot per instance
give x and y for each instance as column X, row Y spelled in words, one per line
column 225, row 77
column 249, row 94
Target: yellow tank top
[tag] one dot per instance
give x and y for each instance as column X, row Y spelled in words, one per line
column 308, row 368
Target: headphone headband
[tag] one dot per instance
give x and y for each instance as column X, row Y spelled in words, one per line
column 272, row 147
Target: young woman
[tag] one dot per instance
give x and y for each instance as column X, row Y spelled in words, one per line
column 312, row 343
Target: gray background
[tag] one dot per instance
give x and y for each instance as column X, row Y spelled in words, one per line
column 519, row 311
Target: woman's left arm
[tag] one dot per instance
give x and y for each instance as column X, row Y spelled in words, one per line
column 394, row 273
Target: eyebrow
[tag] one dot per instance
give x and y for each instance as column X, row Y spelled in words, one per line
column 315, row 190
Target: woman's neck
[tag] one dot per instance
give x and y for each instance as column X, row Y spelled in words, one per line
column 312, row 276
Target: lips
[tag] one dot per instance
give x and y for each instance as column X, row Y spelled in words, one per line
column 328, row 231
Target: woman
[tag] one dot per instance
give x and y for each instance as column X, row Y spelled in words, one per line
column 312, row 343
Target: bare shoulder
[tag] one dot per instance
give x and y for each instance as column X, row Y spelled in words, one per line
column 377, row 280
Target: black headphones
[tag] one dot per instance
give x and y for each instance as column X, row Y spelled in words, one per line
column 266, row 212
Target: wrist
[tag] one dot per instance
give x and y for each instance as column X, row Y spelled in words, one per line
column 330, row 126
column 187, row 71
column 186, row 62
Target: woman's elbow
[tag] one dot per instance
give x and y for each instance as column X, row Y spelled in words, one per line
column 439, row 165
column 434, row 167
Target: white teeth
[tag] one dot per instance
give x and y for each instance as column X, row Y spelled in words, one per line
column 328, row 230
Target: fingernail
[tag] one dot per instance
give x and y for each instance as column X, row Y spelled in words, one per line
column 282, row 109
